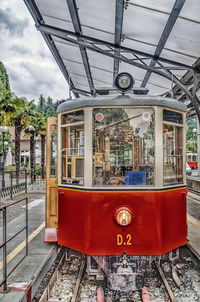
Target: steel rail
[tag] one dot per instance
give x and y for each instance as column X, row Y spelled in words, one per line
column 171, row 295
column 78, row 281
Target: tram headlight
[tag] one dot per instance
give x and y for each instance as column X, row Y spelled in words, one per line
column 124, row 82
column 123, row 216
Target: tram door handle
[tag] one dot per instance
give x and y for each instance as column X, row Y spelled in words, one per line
column 61, row 194
column 184, row 193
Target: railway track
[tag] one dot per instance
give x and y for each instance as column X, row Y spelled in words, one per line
column 164, row 281
column 193, row 191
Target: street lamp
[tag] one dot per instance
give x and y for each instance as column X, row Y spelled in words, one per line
column 194, row 135
column 3, row 130
column 31, row 129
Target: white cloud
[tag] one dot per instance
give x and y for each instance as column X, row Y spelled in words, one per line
column 30, row 65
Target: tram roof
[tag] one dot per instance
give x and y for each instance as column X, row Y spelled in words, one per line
column 121, row 100
column 156, row 41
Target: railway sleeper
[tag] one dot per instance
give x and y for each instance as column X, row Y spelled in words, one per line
column 120, row 273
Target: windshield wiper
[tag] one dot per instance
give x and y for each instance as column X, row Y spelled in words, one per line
column 118, row 122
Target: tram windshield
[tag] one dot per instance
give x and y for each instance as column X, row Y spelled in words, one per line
column 123, row 146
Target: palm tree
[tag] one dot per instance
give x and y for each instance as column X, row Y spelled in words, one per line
column 20, row 119
column 6, row 105
column 37, row 126
column 31, row 131
column 41, row 125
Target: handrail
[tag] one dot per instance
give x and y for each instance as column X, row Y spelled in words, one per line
column 3, row 209
column 11, row 188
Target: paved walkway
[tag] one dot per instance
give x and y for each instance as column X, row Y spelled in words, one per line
column 193, row 210
column 24, row 280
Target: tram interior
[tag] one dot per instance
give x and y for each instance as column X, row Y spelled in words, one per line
column 123, row 148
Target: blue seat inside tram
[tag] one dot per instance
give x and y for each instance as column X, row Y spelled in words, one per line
column 135, row 178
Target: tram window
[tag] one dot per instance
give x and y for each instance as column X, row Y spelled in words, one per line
column 173, row 155
column 123, row 146
column 194, row 158
column 172, row 116
column 72, row 117
column 72, row 140
column 53, row 150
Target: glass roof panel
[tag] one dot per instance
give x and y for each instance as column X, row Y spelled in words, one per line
column 185, row 37
column 98, row 34
column 57, row 9
column 142, row 24
column 97, row 14
column 68, row 51
column 155, row 89
column 159, row 5
column 100, row 62
column 139, row 45
column 102, row 78
column 79, row 84
column 178, row 56
column 142, row 28
column 75, row 67
column 160, row 81
column 137, row 73
column 60, row 23
column 191, row 10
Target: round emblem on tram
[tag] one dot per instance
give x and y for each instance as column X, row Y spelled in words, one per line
column 99, row 117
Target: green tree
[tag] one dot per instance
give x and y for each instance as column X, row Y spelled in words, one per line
column 4, row 77
column 191, row 145
column 42, row 105
column 50, row 109
column 36, row 126
column 6, row 105
column 20, row 119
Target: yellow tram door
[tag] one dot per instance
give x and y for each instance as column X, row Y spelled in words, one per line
column 51, row 181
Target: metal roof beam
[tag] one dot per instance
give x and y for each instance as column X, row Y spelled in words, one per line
column 38, row 19
column 77, row 28
column 96, row 44
column 80, row 91
column 119, row 12
column 165, row 34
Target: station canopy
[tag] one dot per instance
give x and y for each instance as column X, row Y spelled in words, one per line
column 156, row 41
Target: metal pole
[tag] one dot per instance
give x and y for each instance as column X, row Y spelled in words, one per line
column 11, row 185
column 26, row 226
column 3, row 178
column 198, row 147
column 25, row 180
column 4, row 251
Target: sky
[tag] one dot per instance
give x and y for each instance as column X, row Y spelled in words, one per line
column 30, row 65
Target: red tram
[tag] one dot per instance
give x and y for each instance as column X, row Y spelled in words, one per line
column 119, row 193
column 191, row 159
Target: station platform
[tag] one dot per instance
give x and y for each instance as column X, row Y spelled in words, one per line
column 193, row 219
column 193, row 182
column 25, row 279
